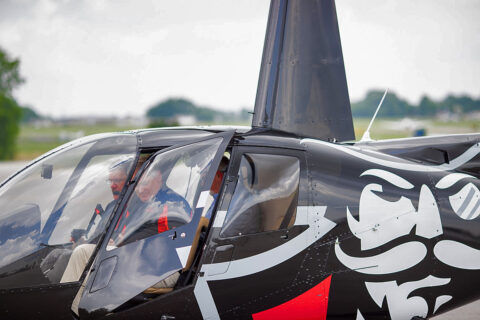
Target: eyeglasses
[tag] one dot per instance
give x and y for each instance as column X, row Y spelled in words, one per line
column 115, row 181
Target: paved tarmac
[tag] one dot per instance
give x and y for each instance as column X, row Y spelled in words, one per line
column 468, row 312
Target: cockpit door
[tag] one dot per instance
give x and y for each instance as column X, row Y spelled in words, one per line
column 150, row 239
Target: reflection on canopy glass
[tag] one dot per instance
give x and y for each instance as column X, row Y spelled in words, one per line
column 57, row 203
column 265, row 196
column 163, row 198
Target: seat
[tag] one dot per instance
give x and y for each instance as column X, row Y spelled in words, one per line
column 153, row 290
column 202, row 225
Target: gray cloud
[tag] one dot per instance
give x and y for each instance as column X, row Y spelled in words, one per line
column 120, row 57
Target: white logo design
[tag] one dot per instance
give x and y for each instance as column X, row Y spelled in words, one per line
column 381, row 221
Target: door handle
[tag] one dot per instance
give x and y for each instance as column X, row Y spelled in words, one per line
column 173, row 235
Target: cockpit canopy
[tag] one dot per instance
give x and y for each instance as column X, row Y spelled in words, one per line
column 51, row 203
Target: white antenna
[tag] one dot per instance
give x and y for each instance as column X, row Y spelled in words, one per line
column 366, row 134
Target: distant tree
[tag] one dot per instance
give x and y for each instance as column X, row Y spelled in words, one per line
column 165, row 112
column 246, row 114
column 29, row 115
column 10, row 112
column 392, row 106
column 9, row 74
column 207, row 114
column 171, row 108
column 426, row 108
column 463, row 104
column 10, row 115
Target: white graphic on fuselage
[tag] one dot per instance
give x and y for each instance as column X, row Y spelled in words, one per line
column 412, row 253
column 401, row 304
column 381, row 221
column 457, row 254
column 466, row 203
column 451, row 179
column 376, row 227
column 359, row 315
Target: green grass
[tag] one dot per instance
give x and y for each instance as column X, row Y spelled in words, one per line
column 29, row 131
column 401, row 128
column 28, row 150
column 33, row 142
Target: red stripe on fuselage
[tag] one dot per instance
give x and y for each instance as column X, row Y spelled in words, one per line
column 311, row 304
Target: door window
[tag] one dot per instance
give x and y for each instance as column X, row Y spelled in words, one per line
column 164, row 195
column 265, row 197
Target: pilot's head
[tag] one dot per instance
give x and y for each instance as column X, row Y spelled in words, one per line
column 149, row 185
column 117, row 177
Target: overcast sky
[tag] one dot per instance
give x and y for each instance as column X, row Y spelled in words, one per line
column 121, row 57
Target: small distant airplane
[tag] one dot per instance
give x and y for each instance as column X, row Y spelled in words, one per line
column 288, row 219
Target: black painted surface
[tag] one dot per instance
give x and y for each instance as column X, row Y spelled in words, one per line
column 302, row 93
column 180, row 304
column 48, row 302
column 302, row 88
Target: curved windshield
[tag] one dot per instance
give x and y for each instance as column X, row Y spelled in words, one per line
column 59, row 202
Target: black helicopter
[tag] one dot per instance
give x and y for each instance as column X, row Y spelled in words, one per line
column 288, row 219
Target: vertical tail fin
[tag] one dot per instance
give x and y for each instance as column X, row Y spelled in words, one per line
column 302, row 88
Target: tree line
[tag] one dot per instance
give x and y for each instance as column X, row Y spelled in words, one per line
column 396, row 107
column 10, row 111
column 166, row 112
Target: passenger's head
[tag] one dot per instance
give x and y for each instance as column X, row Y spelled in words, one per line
column 118, row 176
column 149, row 184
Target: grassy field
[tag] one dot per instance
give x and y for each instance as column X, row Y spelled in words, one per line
column 33, row 141
column 402, row 128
